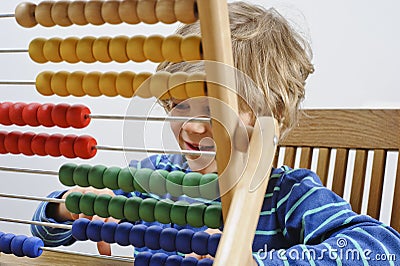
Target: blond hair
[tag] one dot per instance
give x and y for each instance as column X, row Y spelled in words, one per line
column 275, row 57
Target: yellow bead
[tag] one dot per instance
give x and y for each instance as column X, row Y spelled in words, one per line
column 159, row 85
column 127, row 12
column 107, row 84
column 171, row 48
column 93, row 12
column 109, row 12
column 141, row 85
column 76, row 13
column 59, row 83
column 51, row 50
column 68, row 50
column 146, row 11
column 176, row 85
column 25, row 15
column 152, row 48
column 196, row 85
column 117, row 49
column 84, row 49
column 59, row 13
column 90, row 84
column 124, row 83
column 43, row 83
column 75, row 83
column 43, row 14
column 165, row 11
column 186, row 11
column 191, row 48
column 100, row 49
column 134, row 48
column 36, row 50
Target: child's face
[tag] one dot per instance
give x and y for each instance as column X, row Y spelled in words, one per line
column 196, row 136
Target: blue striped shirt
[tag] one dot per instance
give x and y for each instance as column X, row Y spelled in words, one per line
column 301, row 222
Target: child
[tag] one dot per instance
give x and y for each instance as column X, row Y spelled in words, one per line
column 301, row 221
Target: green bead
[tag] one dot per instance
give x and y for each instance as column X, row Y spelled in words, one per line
column 174, row 183
column 208, row 186
column 146, row 209
column 178, row 212
column 81, row 175
column 116, row 207
column 101, row 205
column 86, row 203
column 95, row 176
column 157, row 182
column 110, row 177
column 131, row 209
column 72, row 202
column 195, row 214
column 125, row 179
column 65, row 174
column 213, row 216
column 162, row 211
column 141, row 179
column 191, row 183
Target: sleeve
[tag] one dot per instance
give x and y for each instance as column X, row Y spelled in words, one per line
column 322, row 229
column 51, row 237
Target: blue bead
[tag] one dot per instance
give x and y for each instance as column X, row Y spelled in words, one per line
column 79, row 229
column 93, row 230
column 205, row 262
column 143, row 259
column 189, row 261
column 184, row 240
column 108, row 232
column 173, row 260
column 200, row 243
column 158, row 259
column 152, row 237
column 32, row 247
column 136, row 235
column 167, row 239
column 122, row 234
column 16, row 245
column 5, row 243
column 213, row 242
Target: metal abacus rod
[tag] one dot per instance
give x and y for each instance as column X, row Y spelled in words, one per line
column 34, row 198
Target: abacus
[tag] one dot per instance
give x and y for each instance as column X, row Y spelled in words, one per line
column 244, row 157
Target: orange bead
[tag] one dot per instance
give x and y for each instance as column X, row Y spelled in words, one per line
column 128, row 12
column 90, row 83
column 59, row 83
column 146, row 11
column 68, row 50
column 43, row 14
column 25, row 15
column 74, row 83
column 84, row 49
column 36, row 50
column 93, row 12
column 43, row 83
column 171, row 48
column 51, row 50
column 124, row 83
column 134, row 48
column 107, row 84
column 76, row 13
column 109, row 12
column 191, row 48
column 152, row 48
column 117, row 49
column 59, row 13
column 101, row 49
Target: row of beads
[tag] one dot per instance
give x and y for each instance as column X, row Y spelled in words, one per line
column 153, row 237
column 149, row 209
column 20, row 245
column 66, row 13
column 48, row 115
column 56, row 145
column 129, row 179
column 163, row 85
column 162, row 259
column 121, row 49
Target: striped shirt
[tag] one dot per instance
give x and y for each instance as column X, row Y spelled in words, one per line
column 301, row 222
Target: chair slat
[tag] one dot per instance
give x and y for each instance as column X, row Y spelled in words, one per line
column 324, row 157
column 290, row 156
column 395, row 219
column 357, row 187
column 276, row 158
column 376, row 187
column 306, row 157
column 339, row 173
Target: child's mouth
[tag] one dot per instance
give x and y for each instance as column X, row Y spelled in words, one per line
column 195, row 147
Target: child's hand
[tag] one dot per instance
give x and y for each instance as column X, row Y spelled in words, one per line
column 60, row 213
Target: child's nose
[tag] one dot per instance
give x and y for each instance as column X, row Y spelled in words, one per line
column 195, row 127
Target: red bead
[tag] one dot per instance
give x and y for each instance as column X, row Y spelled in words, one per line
column 85, row 147
column 78, row 116
column 52, row 145
column 38, row 143
column 11, row 142
column 4, row 114
column 3, row 149
column 24, row 143
column 67, row 146
column 29, row 114
column 15, row 114
column 59, row 115
column 44, row 115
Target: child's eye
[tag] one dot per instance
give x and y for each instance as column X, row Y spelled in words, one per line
column 181, row 106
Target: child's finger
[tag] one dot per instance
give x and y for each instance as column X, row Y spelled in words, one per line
column 104, row 248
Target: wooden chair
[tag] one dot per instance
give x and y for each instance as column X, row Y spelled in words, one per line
column 364, row 131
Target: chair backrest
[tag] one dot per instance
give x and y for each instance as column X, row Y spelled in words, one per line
column 338, row 134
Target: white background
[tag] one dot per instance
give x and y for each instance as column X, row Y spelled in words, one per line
column 356, row 57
